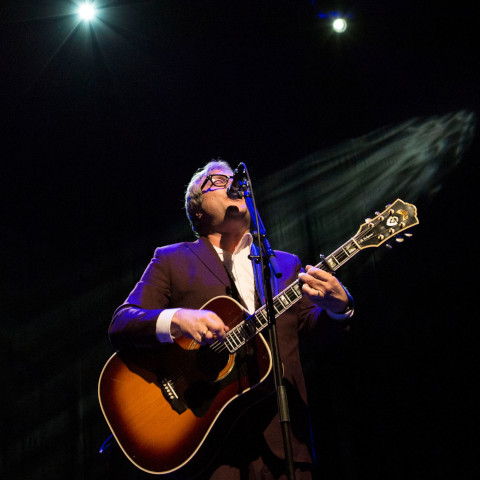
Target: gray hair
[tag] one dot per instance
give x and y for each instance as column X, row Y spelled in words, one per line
column 193, row 193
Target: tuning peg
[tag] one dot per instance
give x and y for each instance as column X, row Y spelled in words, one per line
column 399, row 239
column 408, row 234
column 387, row 245
column 387, row 205
column 368, row 220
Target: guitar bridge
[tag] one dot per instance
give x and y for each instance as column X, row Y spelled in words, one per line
column 171, row 396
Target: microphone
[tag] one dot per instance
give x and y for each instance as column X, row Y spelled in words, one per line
column 235, row 190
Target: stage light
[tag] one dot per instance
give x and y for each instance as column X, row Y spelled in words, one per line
column 339, row 25
column 336, row 20
column 86, row 11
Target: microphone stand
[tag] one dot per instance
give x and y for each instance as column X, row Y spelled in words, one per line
column 268, row 259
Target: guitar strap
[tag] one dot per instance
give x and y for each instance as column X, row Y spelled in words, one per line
column 233, row 290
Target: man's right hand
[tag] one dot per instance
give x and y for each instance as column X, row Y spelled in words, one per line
column 203, row 326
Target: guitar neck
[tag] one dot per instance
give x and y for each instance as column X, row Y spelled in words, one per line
column 255, row 323
column 397, row 217
column 340, row 256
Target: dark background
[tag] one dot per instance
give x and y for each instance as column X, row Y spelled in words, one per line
column 102, row 126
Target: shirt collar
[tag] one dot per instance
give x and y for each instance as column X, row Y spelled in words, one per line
column 244, row 243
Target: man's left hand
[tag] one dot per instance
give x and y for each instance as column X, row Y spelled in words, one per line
column 324, row 289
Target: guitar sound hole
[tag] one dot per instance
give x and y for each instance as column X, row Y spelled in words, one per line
column 210, row 362
column 200, row 393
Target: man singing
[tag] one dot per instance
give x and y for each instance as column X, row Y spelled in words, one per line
column 166, row 304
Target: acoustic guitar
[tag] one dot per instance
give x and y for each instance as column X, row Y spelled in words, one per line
column 164, row 405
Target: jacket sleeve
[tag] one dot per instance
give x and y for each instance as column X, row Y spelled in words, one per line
column 315, row 319
column 134, row 322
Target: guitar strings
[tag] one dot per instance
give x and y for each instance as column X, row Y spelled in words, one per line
column 217, row 347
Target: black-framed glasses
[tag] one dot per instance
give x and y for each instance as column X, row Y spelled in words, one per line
column 217, row 179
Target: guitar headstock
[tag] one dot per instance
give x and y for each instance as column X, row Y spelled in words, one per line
column 396, row 218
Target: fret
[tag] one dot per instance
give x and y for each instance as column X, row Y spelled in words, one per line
column 279, row 303
column 283, row 298
column 229, row 344
column 327, row 264
column 333, row 262
column 233, row 335
column 296, row 289
column 241, row 333
column 339, row 257
column 243, row 327
column 351, row 248
column 356, row 244
column 291, row 295
column 255, row 321
column 249, row 329
column 238, row 334
column 345, row 256
column 264, row 316
column 255, row 325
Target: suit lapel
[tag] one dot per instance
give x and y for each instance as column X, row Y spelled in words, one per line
column 205, row 252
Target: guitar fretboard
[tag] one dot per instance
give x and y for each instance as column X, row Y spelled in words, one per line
column 397, row 217
column 255, row 323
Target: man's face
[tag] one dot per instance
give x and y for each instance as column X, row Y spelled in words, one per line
column 221, row 214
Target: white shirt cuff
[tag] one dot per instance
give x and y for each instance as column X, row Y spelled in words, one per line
column 340, row 316
column 164, row 321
